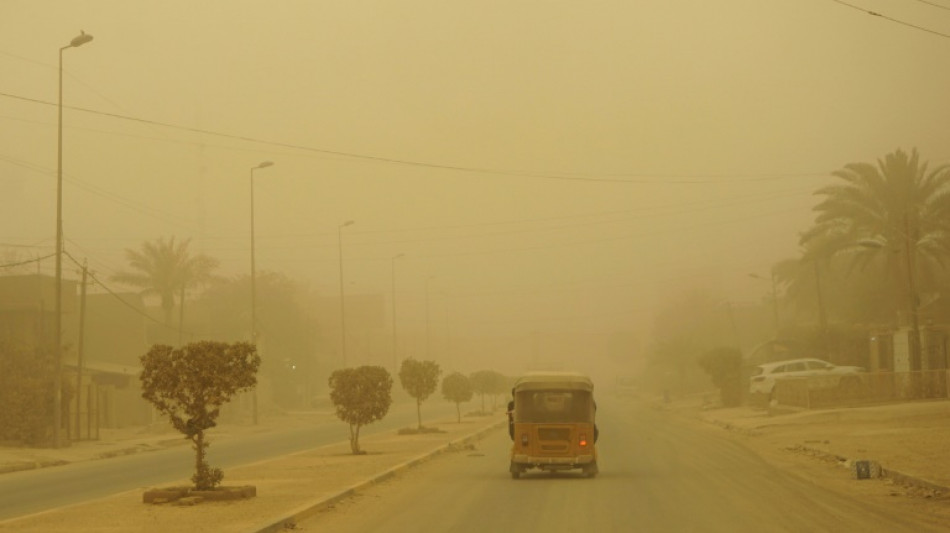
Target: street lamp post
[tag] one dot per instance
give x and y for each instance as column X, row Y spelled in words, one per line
column 427, row 317
column 395, row 353
column 339, row 238
column 774, row 298
column 822, row 317
column 263, row 164
column 77, row 41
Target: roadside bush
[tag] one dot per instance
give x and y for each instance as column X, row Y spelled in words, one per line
column 724, row 366
column 27, row 390
column 489, row 383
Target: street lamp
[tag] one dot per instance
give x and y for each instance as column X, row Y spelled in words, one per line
column 263, row 164
column 395, row 356
column 774, row 298
column 77, row 41
column 339, row 238
column 430, row 278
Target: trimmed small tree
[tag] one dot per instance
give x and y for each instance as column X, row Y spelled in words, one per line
column 500, row 385
column 488, row 382
column 361, row 396
column 457, row 388
column 189, row 385
column 419, row 379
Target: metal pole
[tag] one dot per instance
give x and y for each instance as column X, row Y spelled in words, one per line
column 253, row 269
column 79, row 40
column 58, row 337
column 254, row 416
column 774, row 298
column 79, row 353
column 775, row 303
column 181, row 312
column 428, row 343
column 395, row 344
column 339, row 238
column 915, row 353
column 822, row 317
column 263, row 164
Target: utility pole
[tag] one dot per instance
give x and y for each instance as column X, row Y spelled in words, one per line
column 822, row 318
column 395, row 345
column 80, row 348
column 339, row 242
column 909, row 253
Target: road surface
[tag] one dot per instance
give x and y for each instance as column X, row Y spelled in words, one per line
column 658, row 474
column 33, row 491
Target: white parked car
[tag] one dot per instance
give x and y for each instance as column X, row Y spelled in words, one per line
column 763, row 376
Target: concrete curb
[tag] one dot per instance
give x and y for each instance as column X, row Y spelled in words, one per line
column 886, row 473
column 291, row 520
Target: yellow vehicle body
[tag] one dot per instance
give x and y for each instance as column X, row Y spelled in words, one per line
column 551, row 423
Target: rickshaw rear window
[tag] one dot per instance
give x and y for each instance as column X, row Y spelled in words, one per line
column 566, row 406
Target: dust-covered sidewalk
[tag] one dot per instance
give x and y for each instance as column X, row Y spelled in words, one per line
column 906, row 440
column 288, row 487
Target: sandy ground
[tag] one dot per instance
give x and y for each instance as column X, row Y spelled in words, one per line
column 820, row 445
column 284, row 484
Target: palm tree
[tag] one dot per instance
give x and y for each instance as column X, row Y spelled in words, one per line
column 164, row 268
column 896, row 206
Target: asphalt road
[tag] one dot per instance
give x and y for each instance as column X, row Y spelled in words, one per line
column 32, row 491
column 657, row 475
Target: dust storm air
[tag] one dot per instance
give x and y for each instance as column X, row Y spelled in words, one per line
column 614, row 188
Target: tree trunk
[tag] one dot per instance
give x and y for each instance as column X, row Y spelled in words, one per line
column 419, row 412
column 458, row 412
column 355, row 439
column 199, row 441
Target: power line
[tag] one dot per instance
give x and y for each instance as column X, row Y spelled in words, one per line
column 897, row 21
column 934, row 4
column 132, row 205
column 119, row 298
column 28, row 261
column 631, row 178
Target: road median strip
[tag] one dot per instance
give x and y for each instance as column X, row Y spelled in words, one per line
column 300, row 514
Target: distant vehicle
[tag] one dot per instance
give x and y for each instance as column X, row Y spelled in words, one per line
column 764, row 376
column 625, row 386
column 551, row 421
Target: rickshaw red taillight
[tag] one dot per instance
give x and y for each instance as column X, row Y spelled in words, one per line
column 583, row 440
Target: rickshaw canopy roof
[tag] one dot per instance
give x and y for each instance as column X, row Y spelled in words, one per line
column 553, row 381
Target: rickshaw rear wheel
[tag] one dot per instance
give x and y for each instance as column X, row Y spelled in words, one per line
column 590, row 470
column 515, row 470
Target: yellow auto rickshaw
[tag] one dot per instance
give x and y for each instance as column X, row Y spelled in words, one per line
column 551, row 423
